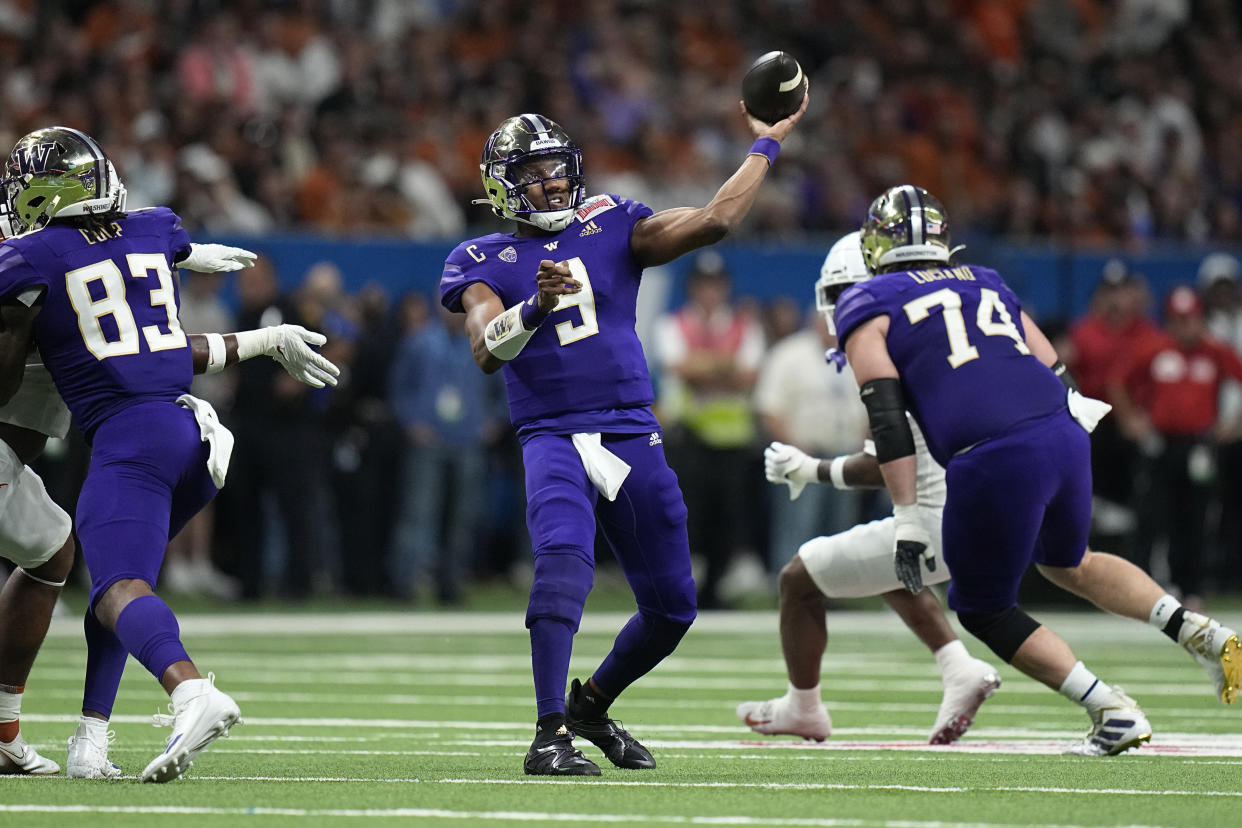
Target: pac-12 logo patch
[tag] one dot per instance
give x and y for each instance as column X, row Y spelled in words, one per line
column 509, row 254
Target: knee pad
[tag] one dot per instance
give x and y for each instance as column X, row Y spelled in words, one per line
column 560, row 587
column 1004, row 632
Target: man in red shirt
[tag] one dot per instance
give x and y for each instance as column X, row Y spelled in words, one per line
column 1166, row 398
column 1100, row 342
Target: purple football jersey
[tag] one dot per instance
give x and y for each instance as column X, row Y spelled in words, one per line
column 584, row 369
column 108, row 331
column 956, row 337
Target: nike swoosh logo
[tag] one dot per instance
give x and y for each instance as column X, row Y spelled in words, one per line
column 754, row 722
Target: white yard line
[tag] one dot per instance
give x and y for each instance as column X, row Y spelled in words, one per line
column 506, row 816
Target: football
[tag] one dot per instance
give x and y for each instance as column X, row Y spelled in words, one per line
column 773, row 87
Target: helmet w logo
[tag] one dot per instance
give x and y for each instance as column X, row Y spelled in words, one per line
column 33, row 158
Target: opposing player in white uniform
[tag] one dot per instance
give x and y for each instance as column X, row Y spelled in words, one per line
column 35, row 534
column 858, row 563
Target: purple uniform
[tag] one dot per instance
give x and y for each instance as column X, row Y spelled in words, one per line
column 1018, row 467
column 109, row 336
column 584, row 370
column 108, row 331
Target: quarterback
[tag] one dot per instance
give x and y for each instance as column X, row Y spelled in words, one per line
column 553, row 305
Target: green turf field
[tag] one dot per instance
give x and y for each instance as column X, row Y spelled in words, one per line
column 422, row 719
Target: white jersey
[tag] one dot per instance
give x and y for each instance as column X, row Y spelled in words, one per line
column 929, row 478
column 37, row 404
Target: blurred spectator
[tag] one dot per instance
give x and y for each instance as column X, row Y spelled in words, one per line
column 277, row 487
column 709, row 356
column 367, row 444
column 1099, row 344
column 447, row 409
column 804, row 401
column 1219, row 285
column 1167, row 398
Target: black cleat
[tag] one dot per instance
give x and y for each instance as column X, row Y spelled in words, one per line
column 622, row 749
column 553, row 754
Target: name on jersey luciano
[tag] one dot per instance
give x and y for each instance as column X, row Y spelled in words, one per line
column 962, row 274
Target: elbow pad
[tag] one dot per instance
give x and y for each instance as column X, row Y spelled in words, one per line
column 505, row 336
column 886, row 411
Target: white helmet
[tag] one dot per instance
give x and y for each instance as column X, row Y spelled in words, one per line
column 843, row 267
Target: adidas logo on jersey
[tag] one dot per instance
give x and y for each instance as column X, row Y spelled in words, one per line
column 591, row 229
column 551, row 245
column 656, row 439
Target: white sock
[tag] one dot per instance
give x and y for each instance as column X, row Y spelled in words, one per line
column 951, row 655
column 804, row 701
column 1163, row 611
column 98, row 728
column 188, row 689
column 1083, row 688
column 10, row 706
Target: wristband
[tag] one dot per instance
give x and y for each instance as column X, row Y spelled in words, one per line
column 767, row 147
column 216, row 353
column 836, row 472
column 532, row 314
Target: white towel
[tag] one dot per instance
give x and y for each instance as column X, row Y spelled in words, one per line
column 605, row 469
column 1088, row 411
column 218, row 438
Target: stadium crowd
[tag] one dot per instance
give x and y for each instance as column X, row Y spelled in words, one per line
column 1085, row 122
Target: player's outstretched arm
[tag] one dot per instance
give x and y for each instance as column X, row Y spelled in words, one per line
column 660, row 238
column 217, row 258
column 16, row 320
column 290, row 345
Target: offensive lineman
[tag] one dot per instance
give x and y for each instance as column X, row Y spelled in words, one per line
column 859, row 563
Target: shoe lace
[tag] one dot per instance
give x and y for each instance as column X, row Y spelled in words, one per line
column 169, row 719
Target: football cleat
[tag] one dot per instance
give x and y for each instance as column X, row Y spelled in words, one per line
column 622, row 749
column 777, row 717
column 88, row 751
column 1218, row 650
column 965, row 691
column 17, row 758
column 553, row 754
column 197, row 720
column 1116, row 728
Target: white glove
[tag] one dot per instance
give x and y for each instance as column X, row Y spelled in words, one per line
column 217, row 258
column 912, row 545
column 290, row 346
column 791, row 466
column 1086, row 411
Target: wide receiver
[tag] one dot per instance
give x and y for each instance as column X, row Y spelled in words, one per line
column 859, row 563
column 94, row 286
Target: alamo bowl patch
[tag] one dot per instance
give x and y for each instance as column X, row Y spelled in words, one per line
column 509, row 254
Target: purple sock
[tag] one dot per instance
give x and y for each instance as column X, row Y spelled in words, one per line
column 105, row 662
column 149, row 631
column 551, row 642
column 640, row 646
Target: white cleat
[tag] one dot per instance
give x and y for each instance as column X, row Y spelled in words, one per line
column 17, row 758
column 1115, row 729
column 777, row 717
column 1218, row 650
column 202, row 715
column 965, row 691
column 88, row 751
